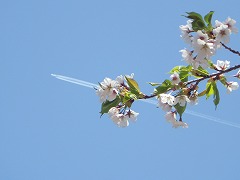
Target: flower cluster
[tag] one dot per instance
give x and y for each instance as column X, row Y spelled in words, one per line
column 175, row 93
column 122, row 119
column 166, row 102
column 205, row 42
column 116, row 97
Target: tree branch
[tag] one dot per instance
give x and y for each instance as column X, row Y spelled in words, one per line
column 231, row 50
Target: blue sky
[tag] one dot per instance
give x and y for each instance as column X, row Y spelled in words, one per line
column 51, row 129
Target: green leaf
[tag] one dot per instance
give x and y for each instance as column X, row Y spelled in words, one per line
column 183, row 75
column 154, row 84
column 164, row 87
column 134, row 88
column 208, row 18
column 109, row 104
column 202, row 93
column 216, row 96
column 223, row 80
column 129, row 96
column 194, row 16
column 183, row 72
column 175, row 69
column 200, row 72
column 180, row 109
column 209, row 89
column 198, row 23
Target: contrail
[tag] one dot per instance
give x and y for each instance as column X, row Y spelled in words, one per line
column 193, row 113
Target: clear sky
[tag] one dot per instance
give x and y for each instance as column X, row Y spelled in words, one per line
column 51, row 129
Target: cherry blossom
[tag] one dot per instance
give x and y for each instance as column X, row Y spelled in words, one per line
column 182, row 100
column 222, row 65
column 222, row 33
column 164, row 106
column 230, row 23
column 175, row 78
column 171, row 117
column 108, row 90
column 167, row 98
column 232, row 86
column 186, row 29
column 187, row 56
column 132, row 115
column 177, row 124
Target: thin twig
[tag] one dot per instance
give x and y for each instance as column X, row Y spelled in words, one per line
column 230, row 49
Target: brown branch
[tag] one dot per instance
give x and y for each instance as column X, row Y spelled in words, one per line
column 197, row 81
column 231, row 50
column 212, row 75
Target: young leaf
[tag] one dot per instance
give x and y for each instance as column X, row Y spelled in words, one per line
column 109, row 104
column 164, row 87
column 194, row 16
column 198, row 23
column 180, row 109
column 216, row 96
column 133, row 85
column 202, row 93
column 128, row 96
column 200, row 72
column 154, row 84
column 175, row 69
column 209, row 89
column 208, row 18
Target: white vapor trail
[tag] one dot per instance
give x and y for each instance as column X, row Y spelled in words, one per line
column 193, row 113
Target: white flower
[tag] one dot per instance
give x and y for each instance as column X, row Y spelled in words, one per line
column 181, row 100
column 132, row 115
column 187, row 38
column 194, row 98
column 175, row 78
column 186, row 30
column 237, row 75
column 218, row 23
column 203, row 46
column 167, row 98
column 120, row 79
column 102, row 94
column 230, row 23
column 222, row 65
column 222, row 33
column 120, row 120
column 113, row 111
column 203, row 49
column 232, row 86
column 187, row 56
column 108, row 90
column 200, row 61
column 130, row 76
column 177, row 124
column 171, row 117
column 164, row 106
